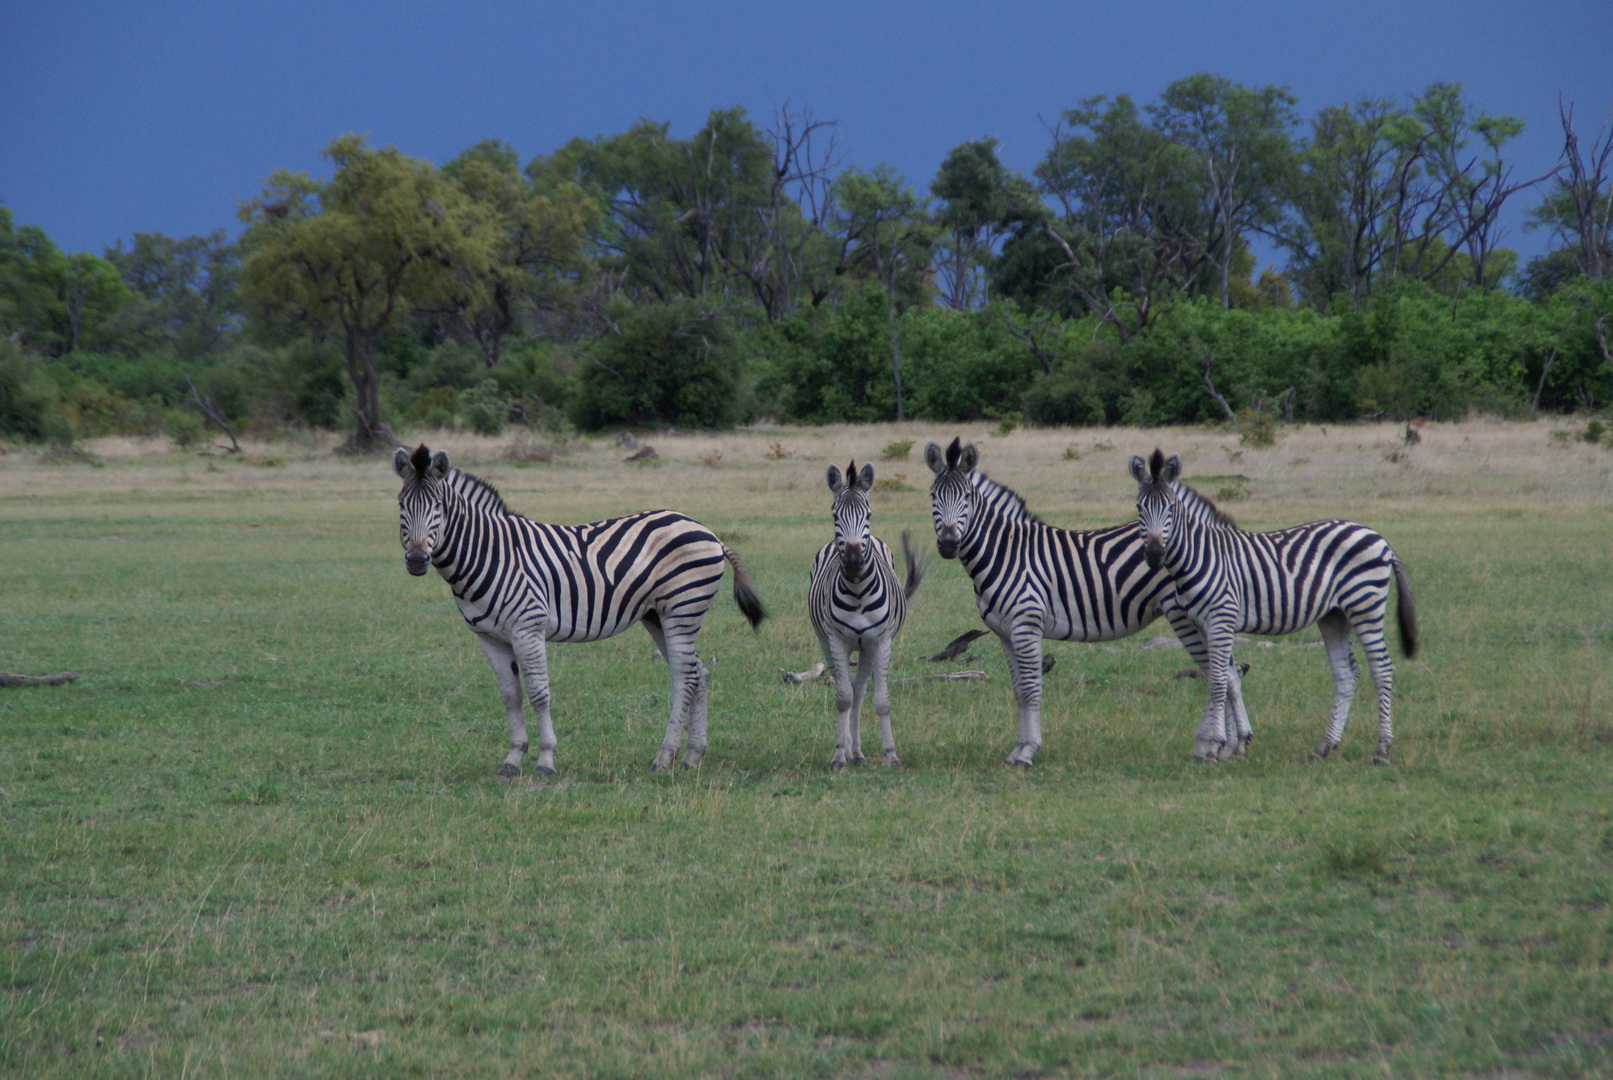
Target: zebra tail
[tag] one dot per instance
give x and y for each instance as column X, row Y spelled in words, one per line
column 744, row 593
column 1406, row 609
column 915, row 566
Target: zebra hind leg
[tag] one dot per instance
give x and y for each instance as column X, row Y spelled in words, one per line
column 686, row 677
column 1210, row 737
column 1335, row 630
column 1369, row 629
column 695, row 748
column 1239, row 730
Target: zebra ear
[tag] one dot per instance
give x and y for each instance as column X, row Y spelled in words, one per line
column 1172, row 469
column 935, row 458
column 439, row 465
column 1139, row 469
column 968, row 459
column 400, row 463
column 865, row 479
column 832, row 477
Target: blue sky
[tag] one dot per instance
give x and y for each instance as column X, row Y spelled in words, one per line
column 162, row 117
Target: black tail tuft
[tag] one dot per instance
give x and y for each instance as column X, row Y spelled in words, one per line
column 915, row 566
column 1406, row 609
column 744, row 593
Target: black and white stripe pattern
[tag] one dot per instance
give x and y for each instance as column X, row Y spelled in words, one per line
column 1033, row 581
column 1331, row 574
column 857, row 603
column 521, row 584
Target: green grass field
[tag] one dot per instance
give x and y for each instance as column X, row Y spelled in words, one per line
column 261, row 834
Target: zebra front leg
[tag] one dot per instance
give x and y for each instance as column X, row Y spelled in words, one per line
column 880, row 665
column 859, row 689
column 837, row 657
column 1023, row 653
column 531, row 652
column 1209, row 740
column 1335, row 630
column 1235, row 712
column 501, row 658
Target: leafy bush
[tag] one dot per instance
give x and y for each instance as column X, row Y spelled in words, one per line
column 28, row 398
column 672, row 364
column 484, row 409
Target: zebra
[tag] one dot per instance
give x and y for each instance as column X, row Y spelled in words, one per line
column 857, row 602
column 1033, row 581
column 521, row 584
column 1333, row 574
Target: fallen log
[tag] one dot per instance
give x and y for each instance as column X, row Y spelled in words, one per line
column 8, row 679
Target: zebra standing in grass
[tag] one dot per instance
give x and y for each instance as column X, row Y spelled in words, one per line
column 1334, row 574
column 1033, row 581
column 521, row 584
column 857, row 603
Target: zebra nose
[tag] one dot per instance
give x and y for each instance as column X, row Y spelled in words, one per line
column 1153, row 551
column 416, row 562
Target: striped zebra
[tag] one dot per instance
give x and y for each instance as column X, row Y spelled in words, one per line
column 521, row 584
column 1033, row 581
column 1333, row 574
column 857, row 603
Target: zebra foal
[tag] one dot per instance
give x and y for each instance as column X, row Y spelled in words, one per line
column 857, row 603
column 1333, row 574
column 1033, row 581
column 521, row 584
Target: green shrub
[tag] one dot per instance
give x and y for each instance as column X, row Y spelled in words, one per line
column 897, row 451
column 184, row 427
column 672, row 364
column 484, row 409
column 1255, row 428
column 28, row 398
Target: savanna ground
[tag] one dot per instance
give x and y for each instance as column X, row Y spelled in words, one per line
column 261, row 834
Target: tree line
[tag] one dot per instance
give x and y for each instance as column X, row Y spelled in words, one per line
column 639, row 279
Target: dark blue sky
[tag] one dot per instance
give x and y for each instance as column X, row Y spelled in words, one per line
column 161, row 117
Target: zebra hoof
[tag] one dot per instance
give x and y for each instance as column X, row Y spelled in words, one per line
column 507, row 769
column 543, row 770
column 893, row 762
column 1321, row 751
column 1381, row 758
column 1020, row 763
column 837, row 764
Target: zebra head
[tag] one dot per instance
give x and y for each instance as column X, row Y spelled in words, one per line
column 1157, row 502
column 952, row 495
column 851, row 516
column 419, row 504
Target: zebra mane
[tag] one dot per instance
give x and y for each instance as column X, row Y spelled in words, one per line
column 474, row 485
column 1003, row 497
column 1201, row 502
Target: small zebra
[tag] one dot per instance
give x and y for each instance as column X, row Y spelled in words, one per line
column 857, row 603
column 1333, row 574
column 521, row 584
column 1033, row 581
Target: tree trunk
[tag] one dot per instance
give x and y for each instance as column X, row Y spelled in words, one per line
column 360, row 360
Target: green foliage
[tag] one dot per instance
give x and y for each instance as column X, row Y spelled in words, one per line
column 671, row 364
column 484, row 409
column 184, row 427
column 1255, row 428
column 897, row 451
column 28, row 398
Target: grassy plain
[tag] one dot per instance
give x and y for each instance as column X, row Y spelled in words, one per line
column 261, row 834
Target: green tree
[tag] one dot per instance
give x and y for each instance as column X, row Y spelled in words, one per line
column 980, row 201
column 186, row 304
column 1131, row 231
column 386, row 233
column 537, row 265
column 1241, row 140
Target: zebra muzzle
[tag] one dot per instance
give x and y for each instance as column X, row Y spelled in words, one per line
column 417, row 562
column 1153, row 551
